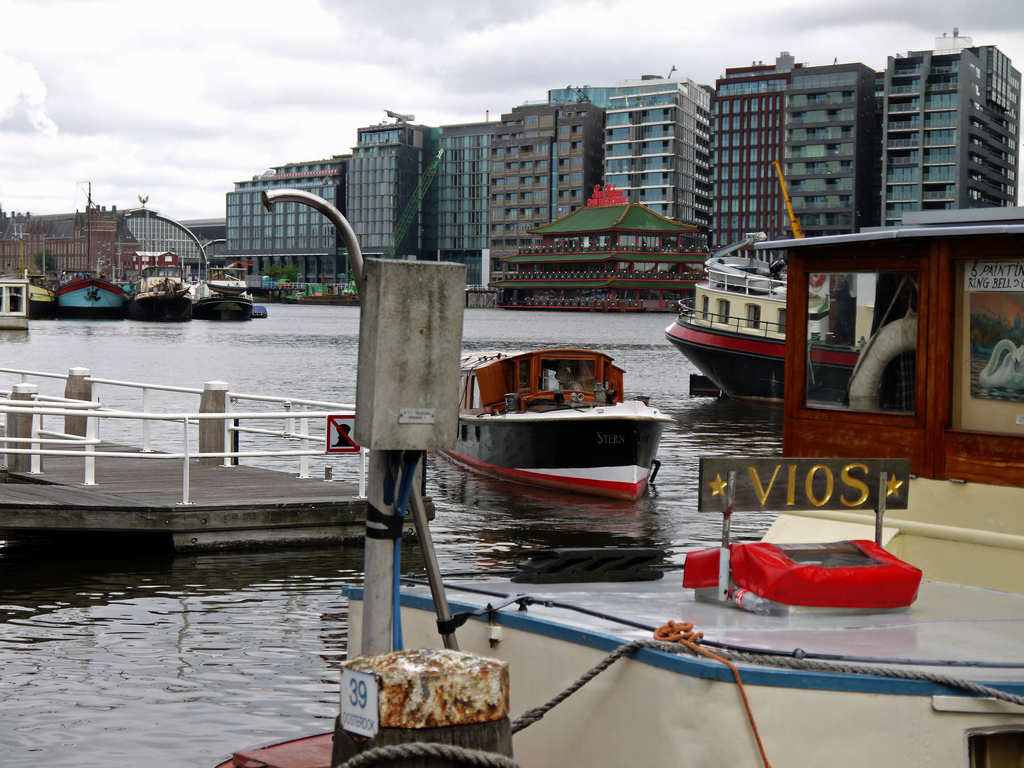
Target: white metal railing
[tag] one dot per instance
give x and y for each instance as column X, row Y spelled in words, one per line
column 295, row 416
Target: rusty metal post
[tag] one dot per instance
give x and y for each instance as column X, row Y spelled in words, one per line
column 427, row 695
column 20, row 425
column 77, row 387
column 211, row 431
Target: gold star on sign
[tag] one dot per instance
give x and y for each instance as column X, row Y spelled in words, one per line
column 718, row 486
column 893, row 487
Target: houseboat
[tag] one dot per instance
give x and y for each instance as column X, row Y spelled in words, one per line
column 14, row 300
column 160, row 294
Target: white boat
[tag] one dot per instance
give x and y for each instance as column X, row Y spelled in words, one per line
column 224, row 295
column 14, row 302
column 556, row 418
column 934, row 678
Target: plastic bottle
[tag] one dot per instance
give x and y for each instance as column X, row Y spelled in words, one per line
column 747, row 600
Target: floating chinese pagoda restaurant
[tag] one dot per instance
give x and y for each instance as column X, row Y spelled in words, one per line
column 621, row 256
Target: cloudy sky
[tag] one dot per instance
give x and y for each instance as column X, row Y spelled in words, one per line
column 178, row 99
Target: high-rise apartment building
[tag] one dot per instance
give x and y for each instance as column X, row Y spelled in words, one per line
column 749, row 134
column 545, row 159
column 952, row 117
column 658, row 146
column 385, row 170
column 292, row 233
column 829, row 147
column 463, row 198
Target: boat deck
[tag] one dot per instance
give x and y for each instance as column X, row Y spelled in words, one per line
column 953, row 630
column 230, row 507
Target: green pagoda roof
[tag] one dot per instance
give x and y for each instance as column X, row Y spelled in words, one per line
column 631, row 217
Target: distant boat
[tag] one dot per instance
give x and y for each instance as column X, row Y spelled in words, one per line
column 161, row 295
column 14, row 303
column 258, row 310
column 224, row 295
column 42, row 303
column 90, row 297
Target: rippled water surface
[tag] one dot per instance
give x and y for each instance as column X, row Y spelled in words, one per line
column 138, row 659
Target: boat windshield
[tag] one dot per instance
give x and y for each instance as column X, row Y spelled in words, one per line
column 567, row 375
column 862, row 340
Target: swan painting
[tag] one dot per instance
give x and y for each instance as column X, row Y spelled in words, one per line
column 1005, row 369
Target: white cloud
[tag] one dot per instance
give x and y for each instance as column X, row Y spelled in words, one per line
column 179, row 99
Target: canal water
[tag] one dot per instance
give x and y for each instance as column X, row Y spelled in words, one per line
column 133, row 658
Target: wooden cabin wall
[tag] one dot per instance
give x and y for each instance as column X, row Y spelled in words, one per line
column 935, row 448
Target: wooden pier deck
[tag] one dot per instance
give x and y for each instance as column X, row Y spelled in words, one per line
column 138, row 498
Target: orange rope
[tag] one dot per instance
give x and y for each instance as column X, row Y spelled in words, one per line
column 682, row 632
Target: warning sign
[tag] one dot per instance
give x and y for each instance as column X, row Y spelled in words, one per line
column 339, row 434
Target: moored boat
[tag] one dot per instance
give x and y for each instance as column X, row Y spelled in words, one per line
column 42, row 302
column 734, row 328
column 91, row 297
column 224, row 295
column 14, row 299
column 908, row 651
column 556, row 418
column 160, row 294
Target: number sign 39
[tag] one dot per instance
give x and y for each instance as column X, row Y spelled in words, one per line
column 359, row 705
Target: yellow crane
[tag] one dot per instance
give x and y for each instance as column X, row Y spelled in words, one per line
column 794, row 222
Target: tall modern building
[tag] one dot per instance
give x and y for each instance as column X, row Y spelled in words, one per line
column 463, row 198
column 387, row 165
column 545, row 159
column 829, row 148
column 952, row 117
column 292, row 233
column 658, row 146
column 749, row 134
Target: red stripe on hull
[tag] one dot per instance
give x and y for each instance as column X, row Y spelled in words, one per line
column 729, row 341
column 590, row 486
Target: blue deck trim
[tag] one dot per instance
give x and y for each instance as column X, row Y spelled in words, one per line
column 708, row 669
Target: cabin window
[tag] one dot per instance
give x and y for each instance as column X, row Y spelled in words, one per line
column 524, row 377
column 477, row 401
column 723, row 311
column 988, row 346
column 704, row 307
column 753, row 316
column 996, row 750
column 567, row 375
column 862, row 340
column 782, row 321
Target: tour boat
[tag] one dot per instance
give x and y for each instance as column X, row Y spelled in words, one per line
column 887, row 598
column 91, row 297
column 14, row 303
column 556, row 418
column 160, row 294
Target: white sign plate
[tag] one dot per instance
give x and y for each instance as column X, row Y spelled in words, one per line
column 359, row 705
column 415, row 415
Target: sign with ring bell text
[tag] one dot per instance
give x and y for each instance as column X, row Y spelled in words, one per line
column 777, row 484
column 360, row 712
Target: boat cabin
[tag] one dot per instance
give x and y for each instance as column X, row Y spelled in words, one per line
column 935, row 313
column 497, row 382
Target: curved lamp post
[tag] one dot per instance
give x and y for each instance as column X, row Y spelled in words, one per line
column 348, row 235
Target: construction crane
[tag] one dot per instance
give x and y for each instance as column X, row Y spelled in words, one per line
column 794, row 222
column 581, row 93
column 413, row 206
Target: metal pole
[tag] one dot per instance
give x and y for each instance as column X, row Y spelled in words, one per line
column 184, row 466
column 379, row 563
column 145, row 422
column 419, row 517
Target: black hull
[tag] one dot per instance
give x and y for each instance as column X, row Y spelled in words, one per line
column 754, row 371
column 161, row 310
column 603, row 457
column 234, row 308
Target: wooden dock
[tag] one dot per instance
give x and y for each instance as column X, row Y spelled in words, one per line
column 139, row 499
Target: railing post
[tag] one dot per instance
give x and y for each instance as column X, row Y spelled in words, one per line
column 92, row 433
column 20, row 425
column 37, row 459
column 145, row 422
column 211, row 431
column 304, row 445
column 185, row 490
column 77, row 387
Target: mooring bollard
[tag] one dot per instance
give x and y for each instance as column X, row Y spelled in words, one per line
column 426, row 695
column 211, row 431
column 20, row 425
column 77, row 387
